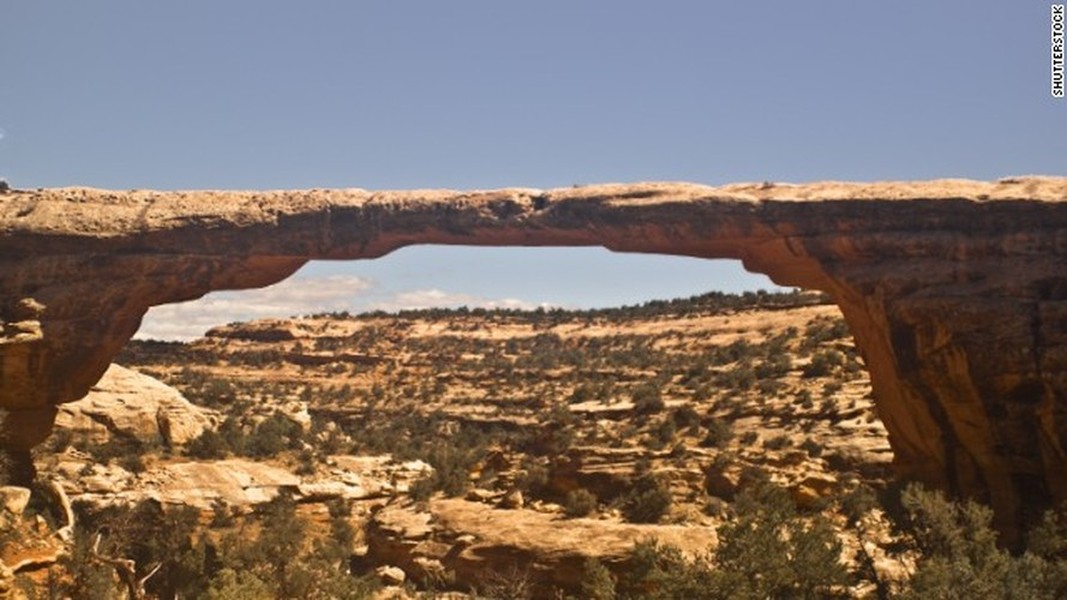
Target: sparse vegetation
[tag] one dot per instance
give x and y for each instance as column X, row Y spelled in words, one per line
column 580, row 503
column 520, row 411
column 648, row 501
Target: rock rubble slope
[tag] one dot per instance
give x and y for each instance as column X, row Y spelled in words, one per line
column 956, row 291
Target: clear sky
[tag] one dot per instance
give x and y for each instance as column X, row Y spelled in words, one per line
column 461, row 94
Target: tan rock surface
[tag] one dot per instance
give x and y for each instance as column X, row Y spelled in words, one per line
column 128, row 404
column 464, row 538
column 237, row 482
column 955, row 291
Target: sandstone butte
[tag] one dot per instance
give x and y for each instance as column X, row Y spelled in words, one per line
column 955, row 290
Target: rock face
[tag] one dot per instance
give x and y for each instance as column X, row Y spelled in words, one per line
column 472, row 544
column 235, row 482
column 126, row 404
column 956, row 291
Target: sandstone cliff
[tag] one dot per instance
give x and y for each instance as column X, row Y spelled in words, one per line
column 956, row 291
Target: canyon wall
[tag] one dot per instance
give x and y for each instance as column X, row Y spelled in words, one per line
column 956, row 291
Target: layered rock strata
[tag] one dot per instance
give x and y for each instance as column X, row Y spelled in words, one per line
column 956, row 291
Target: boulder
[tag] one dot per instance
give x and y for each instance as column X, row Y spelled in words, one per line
column 128, row 405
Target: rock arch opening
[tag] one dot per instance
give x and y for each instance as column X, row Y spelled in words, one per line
column 954, row 290
column 435, row 276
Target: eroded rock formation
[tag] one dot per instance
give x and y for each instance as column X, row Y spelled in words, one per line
column 956, row 291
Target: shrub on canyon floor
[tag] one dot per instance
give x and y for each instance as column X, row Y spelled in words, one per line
column 648, row 501
column 579, row 503
column 958, row 555
column 767, row 551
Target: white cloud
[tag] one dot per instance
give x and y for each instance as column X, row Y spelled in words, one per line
column 294, row 296
column 300, row 296
column 435, row 298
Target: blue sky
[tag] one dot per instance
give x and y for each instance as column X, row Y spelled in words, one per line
column 264, row 94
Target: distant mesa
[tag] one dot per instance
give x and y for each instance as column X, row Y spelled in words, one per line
column 956, row 291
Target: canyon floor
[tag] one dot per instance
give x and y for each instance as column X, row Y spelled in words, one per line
column 473, row 447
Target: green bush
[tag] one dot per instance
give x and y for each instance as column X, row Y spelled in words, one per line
column 647, row 400
column 209, row 445
column 824, row 363
column 685, row 416
column 770, row 551
column 778, row 442
column 126, row 451
column 774, row 366
column 579, row 503
column 813, row 448
column 741, row 377
column 659, row 572
column 959, row 556
column 662, row 433
column 719, row 434
column 597, row 581
column 532, row 478
column 273, row 435
column 648, row 501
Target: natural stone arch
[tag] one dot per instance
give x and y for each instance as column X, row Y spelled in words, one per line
column 956, row 291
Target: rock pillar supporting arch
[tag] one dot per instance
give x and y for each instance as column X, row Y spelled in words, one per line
column 956, row 291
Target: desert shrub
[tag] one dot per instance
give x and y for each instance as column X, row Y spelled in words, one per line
column 769, row 551
column 422, row 488
column 775, row 365
column 126, row 451
column 342, row 533
column 87, row 578
column 597, row 581
column 662, row 433
column 305, row 462
column 740, row 377
column 822, row 330
column 452, row 465
column 209, row 445
column 553, row 438
column 823, row 363
column 271, row 555
column 134, row 463
column 813, row 448
column 648, row 501
column 212, row 392
column 647, row 400
column 718, row 435
column 685, row 416
column 805, row 400
column 778, row 442
column 828, row 407
column 959, row 556
column 582, row 393
column 278, row 562
column 513, row 583
column 222, row 514
column 146, row 534
column 660, row 572
column 273, row 435
column 739, row 350
column 533, row 478
column 769, row 387
column 229, row 584
column 579, row 503
column 233, row 435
